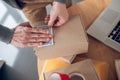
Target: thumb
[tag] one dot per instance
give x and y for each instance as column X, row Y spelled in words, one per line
column 52, row 20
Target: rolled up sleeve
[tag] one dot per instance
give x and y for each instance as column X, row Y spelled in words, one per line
column 6, row 34
column 15, row 3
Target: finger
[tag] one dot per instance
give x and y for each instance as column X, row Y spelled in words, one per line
column 48, row 16
column 24, row 44
column 47, row 19
column 34, row 44
column 51, row 21
column 40, row 35
column 36, row 40
column 36, row 30
column 46, row 22
column 60, row 22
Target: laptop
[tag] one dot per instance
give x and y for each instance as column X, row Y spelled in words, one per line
column 106, row 28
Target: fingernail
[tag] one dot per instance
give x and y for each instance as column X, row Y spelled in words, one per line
column 47, row 39
column 50, row 35
column 49, row 24
column 47, row 32
column 40, row 43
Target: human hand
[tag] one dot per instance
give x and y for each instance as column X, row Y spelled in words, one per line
column 58, row 14
column 26, row 36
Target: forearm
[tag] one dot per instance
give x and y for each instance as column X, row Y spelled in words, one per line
column 5, row 34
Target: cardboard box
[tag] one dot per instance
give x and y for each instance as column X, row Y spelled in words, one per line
column 69, row 39
column 68, row 59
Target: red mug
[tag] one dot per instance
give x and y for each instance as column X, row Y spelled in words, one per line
column 58, row 76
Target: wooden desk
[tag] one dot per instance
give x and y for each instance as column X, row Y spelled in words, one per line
column 89, row 10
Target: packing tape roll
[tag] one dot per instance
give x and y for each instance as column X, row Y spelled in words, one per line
column 76, row 76
column 58, row 76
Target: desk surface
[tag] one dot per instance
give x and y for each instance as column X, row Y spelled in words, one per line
column 89, row 10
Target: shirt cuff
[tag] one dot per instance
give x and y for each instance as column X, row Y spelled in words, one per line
column 6, row 34
column 63, row 1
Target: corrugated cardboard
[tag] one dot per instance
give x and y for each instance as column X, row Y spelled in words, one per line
column 68, row 59
column 85, row 68
column 69, row 39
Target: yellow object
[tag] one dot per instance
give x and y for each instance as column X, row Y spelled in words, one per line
column 101, row 68
column 49, row 65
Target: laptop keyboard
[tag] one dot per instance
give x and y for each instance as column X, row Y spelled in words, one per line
column 115, row 34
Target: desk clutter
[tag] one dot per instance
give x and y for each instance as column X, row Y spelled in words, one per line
column 66, row 47
column 90, row 10
column 84, row 68
column 87, row 69
column 69, row 39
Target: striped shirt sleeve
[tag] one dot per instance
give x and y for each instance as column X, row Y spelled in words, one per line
column 5, row 34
